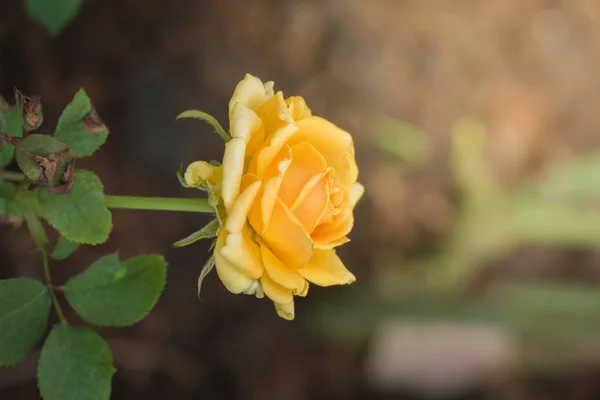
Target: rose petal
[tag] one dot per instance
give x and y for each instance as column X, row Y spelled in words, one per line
column 332, row 244
column 355, row 193
column 326, row 269
column 298, row 107
column 243, row 253
column 286, row 237
column 269, row 89
column 250, row 92
column 282, row 274
column 233, row 279
column 233, row 169
column 275, row 113
column 312, row 202
column 246, row 125
column 285, row 311
column 239, row 211
column 265, row 156
column 200, row 172
column 275, row 291
column 306, row 163
column 333, row 143
column 328, row 235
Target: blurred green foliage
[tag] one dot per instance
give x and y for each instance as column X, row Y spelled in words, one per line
column 54, row 15
column 559, row 209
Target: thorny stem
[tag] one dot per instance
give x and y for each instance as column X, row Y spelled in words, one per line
column 10, row 140
column 51, row 289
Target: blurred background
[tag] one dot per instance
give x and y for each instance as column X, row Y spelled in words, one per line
column 476, row 246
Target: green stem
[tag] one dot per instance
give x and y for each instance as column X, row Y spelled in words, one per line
column 159, row 203
column 12, row 176
column 55, row 303
column 137, row 202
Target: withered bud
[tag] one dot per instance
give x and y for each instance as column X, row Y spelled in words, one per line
column 30, row 110
column 48, row 165
column 66, row 180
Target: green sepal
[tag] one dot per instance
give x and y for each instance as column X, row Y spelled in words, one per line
column 209, row 119
column 208, row 266
column 209, row 230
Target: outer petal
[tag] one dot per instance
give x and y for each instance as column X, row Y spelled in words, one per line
column 275, row 113
column 285, row 311
column 243, row 253
column 233, row 279
column 326, row 269
column 356, row 192
column 335, row 144
column 282, row 274
column 298, row 107
column 269, row 89
column 286, row 237
column 246, row 125
column 275, row 291
column 239, row 211
column 330, row 245
column 233, row 169
column 250, row 92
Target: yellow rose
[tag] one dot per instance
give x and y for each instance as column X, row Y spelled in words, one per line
column 285, row 195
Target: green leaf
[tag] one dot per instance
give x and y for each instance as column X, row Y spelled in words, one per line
column 209, row 230
column 208, row 266
column 79, row 215
column 9, row 209
column 80, row 127
column 36, row 229
column 115, row 293
column 53, row 15
column 75, row 364
column 209, row 119
column 13, row 121
column 24, row 309
column 64, row 248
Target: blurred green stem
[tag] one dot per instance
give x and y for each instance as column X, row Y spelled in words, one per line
column 12, row 176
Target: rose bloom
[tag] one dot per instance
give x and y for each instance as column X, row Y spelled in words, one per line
column 285, row 195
